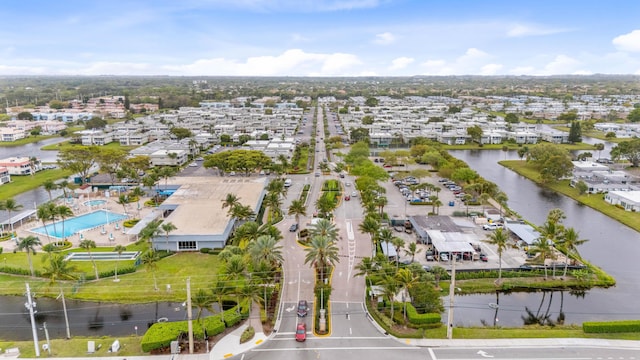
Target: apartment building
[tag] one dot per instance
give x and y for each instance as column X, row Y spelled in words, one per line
column 20, row 165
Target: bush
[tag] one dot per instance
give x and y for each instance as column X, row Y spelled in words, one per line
column 600, row 327
column 160, row 335
column 422, row 319
column 57, row 246
column 130, row 223
column 205, row 250
column 247, row 334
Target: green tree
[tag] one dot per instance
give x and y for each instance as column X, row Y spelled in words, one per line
column 575, row 132
column 57, row 268
column 500, row 239
column 367, row 120
column 475, row 132
column 230, row 201
column 63, row 212
column 412, row 250
column 119, row 249
column 582, row 187
column 10, row 206
column 390, row 287
column 511, row 118
column 324, row 228
column 406, row 280
column 570, row 241
column 167, row 227
column 371, row 102
column 321, row 253
column 49, row 186
column 634, row 115
column 88, row 245
column 95, row 123
column 220, row 289
column 297, row 208
column 29, row 244
column 150, row 260
column 265, row 249
column 44, row 214
column 629, row 149
column 78, row 159
column 111, row 161
column 202, row 300
column 181, row 133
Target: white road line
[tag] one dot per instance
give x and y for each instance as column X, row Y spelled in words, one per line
column 338, row 348
column 432, row 354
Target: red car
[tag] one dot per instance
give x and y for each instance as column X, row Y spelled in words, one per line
column 301, row 332
column 347, row 198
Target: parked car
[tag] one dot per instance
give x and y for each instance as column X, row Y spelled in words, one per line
column 429, row 256
column 301, row 332
column 491, row 226
column 444, row 257
column 484, row 257
column 294, row 227
column 303, row 308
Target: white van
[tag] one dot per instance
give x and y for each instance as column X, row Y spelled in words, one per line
column 287, row 183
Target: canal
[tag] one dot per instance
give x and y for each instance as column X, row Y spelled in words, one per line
column 611, row 246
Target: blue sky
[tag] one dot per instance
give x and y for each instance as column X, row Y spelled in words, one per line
column 319, row 37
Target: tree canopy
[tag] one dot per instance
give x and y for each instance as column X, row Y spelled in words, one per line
column 245, row 161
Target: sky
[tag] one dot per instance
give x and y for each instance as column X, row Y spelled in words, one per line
column 319, row 37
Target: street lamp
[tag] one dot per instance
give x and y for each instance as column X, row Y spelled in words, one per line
column 452, row 289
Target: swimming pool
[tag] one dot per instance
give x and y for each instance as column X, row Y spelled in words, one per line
column 79, row 223
column 95, row 202
column 102, row 256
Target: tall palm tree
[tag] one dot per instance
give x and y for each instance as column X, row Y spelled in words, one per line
column 64, row 186
column 242, row 212
column 324, row 227
column 325, row 205
column 53, row 214
column 168, row 227
column 88, row 245
column 385, row 238
column 366, row 267
column 543, row 247
column 57, row 268
column 44, row 215
column 502, row 199
column 230, row 201
column 64, row 212
column 570, row 241
column 203, row 300
column 266, row 249
column 219, row 290
column 389, row 289
column 49, row 186
column 29, row 244
column 276, row 186
column 150, row 261
column 234, row 269
column 321, row 253
column 297, row 208
column 381, row 202
column 370, row 225
column 406, row 280
column 123, row 200
column 10, row 205
column 398, row 244
column 119, row 249
column 412, row 250
column 151, row 230
column 500, row 239
column 273, row 202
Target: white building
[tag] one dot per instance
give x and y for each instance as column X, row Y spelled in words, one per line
column 628, row 200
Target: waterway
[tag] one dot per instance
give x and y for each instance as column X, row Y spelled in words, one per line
column 612, row 246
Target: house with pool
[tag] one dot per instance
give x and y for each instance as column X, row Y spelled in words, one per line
column 194, row 206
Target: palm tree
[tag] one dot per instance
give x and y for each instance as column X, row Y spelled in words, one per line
column 123, row 200
column 138, row 193
column 365, row 267
column 88, row 245
column 433, row 199
column 371, row 226
column 230, row 201
column 49, row 186
column 412, row 250
column 150, row 261
column 543, row 247
column 325, row 205
column 44, row 215
column 570, row 241
column 119, row 249
column 266, row 249
column 324, row 227
column 297, row 208
column 251, row 292
column 321, row 253
column 53, row 213
column 500, row 239
column 406, row 280
column 57, row 268
column 151, row 230
column 168, row 227
column 242, row 212
column 273, row 202
column 220, row 289
column 276, row 186
column 234, row 268
column 389, row 289
column 381, row 202
column 64, row 212
column 203, row 301
column 249, row 232
column 29, row 244
column 502, row 199
column 385, row 237
column 438, row 273
column 10, row 205
column 64, row 185
column 398, row 244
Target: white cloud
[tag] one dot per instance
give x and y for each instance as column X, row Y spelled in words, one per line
column 384, row 38
column 522, row 70
column 628, row 42
column 298, row 38
column 401, row 63
column 295, row 5
column 490, row 69
column 522, row 30
column 562, row 64
column 471, row 62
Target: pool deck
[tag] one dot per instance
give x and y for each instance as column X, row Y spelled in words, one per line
column 111, row 236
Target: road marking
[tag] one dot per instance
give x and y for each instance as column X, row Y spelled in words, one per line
column 338, row 348
column 290, row 309
column 432, row 354
column 484, row 354
column 350, row 331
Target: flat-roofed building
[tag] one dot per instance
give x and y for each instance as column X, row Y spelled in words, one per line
column 194, row 207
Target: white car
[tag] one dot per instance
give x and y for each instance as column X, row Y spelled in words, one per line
column 354, row 194
column 193, row 165
column 491, row 226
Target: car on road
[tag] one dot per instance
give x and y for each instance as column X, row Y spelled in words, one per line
column 484, row 257
column 293, row 228
column 491, row 226
column 303, row 308
column 301, row 332
column 347, row 198
column 193, row 165
column 347, row 184
column 317, row 174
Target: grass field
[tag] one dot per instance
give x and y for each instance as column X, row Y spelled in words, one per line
column 20, row 184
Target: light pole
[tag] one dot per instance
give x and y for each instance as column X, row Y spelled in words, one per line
column 452, row 290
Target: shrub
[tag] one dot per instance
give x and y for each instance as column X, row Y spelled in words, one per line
column 160, row 335
column 247, row 334
column 205, row 250
column 130, row 223
column 432, row 319
column 57, row 246
column 601, row 327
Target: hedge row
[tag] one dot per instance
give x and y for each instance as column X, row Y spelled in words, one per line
column 600, row 327
column 161, row 335
column 422, row 319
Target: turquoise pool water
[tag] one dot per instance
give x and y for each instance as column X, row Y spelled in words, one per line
column 95, row 202
column 103, row 256
column 79, row 223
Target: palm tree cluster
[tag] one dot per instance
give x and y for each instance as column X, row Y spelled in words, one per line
column 235, row 209
column 10, row 206
column 322, row 250
column 555, row 236
column 50, row 212
column 412, row 283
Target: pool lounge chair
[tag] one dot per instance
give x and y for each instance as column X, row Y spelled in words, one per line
column 111, row 238
column 103, row 231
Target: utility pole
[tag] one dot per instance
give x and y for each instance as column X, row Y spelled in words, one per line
column 189, row 316
column 30, row 305
column 66, row 317
column 46, row 335
column 452, row 291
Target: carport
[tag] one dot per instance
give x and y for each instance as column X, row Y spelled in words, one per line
column 453, row 243
column 526, row 233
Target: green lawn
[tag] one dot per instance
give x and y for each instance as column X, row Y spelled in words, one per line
column 595, row 201
column 27, row 140
column 20, row 184
column 67, row 144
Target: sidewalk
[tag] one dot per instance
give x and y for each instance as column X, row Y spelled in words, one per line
column 502, row 343
column 230, row 344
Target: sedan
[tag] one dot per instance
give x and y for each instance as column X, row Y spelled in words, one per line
column 301, row 332
column 303, row 307
column 293, row 228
